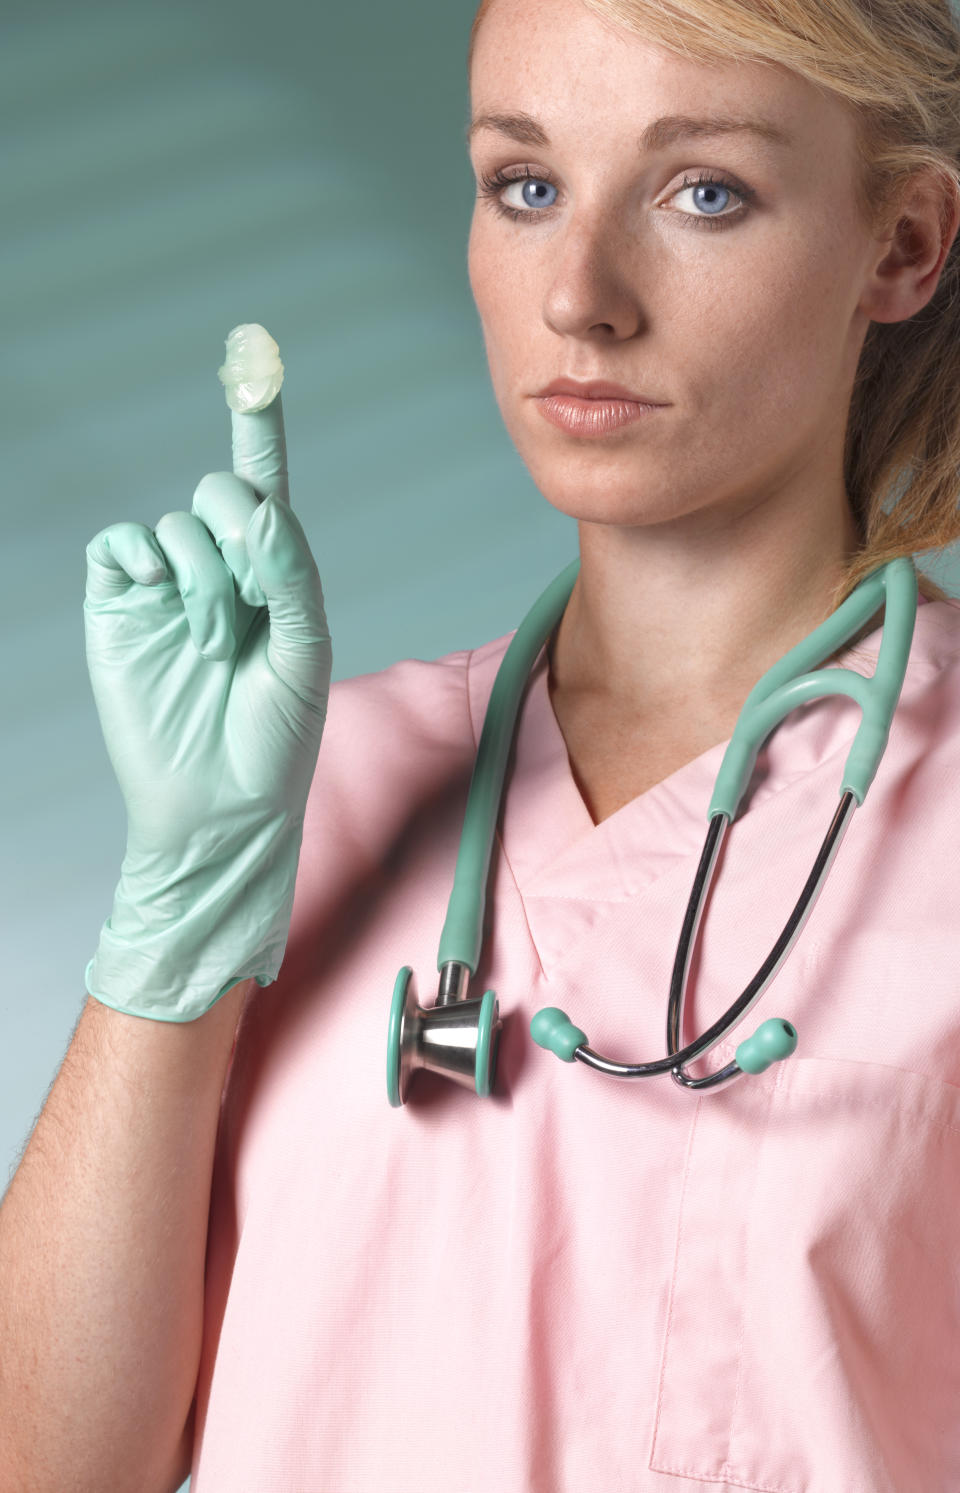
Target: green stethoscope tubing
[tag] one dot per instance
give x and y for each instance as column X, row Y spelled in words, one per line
column 783, row 688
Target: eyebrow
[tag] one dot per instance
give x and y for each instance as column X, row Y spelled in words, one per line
column 658, row 135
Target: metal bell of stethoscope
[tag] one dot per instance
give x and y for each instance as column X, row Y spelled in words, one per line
column 459, row 1036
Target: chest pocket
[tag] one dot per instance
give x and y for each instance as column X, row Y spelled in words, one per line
column 812, row 1340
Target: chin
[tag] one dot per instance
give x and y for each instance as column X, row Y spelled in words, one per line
column 598, row 498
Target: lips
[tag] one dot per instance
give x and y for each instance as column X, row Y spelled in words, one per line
column 596, row 389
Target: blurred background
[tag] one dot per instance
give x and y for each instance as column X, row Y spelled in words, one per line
column 169, row 171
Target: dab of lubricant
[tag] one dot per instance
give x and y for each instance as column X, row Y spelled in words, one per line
column 253, row 372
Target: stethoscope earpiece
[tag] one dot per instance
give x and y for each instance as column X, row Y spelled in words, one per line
column 552, row 1028
column 457, row 1038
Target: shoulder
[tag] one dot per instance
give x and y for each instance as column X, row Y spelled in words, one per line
column 393, row 735
column 933, row 670
column 415, row 700
column 925, row 731
column 934, row 647
column 937, row 632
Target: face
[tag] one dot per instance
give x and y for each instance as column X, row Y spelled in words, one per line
column 735, row 301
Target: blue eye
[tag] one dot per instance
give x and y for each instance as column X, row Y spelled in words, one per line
column 493, row 186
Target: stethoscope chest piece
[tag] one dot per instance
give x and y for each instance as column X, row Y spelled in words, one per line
column 458, row 1039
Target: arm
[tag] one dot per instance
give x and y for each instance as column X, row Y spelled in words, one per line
column 210, row 660
column 103, row 1235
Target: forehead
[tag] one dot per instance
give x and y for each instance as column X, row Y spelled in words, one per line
column 574, row 70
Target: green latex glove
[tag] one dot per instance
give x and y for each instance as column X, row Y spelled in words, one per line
column 210, row 660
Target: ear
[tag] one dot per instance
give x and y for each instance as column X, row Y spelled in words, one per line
column 910, row 262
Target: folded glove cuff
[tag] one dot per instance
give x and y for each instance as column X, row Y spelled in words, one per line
column 191, row 1001
column 178, row 971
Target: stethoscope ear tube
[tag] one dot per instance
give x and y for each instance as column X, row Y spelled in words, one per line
column 788, row 685
column 459, row 1036
column 462, row 936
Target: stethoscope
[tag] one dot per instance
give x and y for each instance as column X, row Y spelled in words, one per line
column 459, row 1036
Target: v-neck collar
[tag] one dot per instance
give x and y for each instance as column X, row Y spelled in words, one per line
column 546, row 831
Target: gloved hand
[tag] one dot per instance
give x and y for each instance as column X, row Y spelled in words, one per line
column 210, row 659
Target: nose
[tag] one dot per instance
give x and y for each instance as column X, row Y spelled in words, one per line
column 590, row 283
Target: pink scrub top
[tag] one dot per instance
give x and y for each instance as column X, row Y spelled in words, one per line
column 585, row 1284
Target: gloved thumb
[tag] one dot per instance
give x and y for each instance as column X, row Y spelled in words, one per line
column 298, row 649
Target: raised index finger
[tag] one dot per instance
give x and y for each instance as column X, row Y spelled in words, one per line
column 251, row 376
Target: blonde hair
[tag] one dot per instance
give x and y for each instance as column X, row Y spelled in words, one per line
column 897, row 67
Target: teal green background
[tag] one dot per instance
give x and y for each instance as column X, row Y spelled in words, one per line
column 168, row 172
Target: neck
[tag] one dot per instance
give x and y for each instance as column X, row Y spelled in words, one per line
column 678, row 622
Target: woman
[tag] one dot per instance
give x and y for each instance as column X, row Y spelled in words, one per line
column 578, row 1283
column 717, row 533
